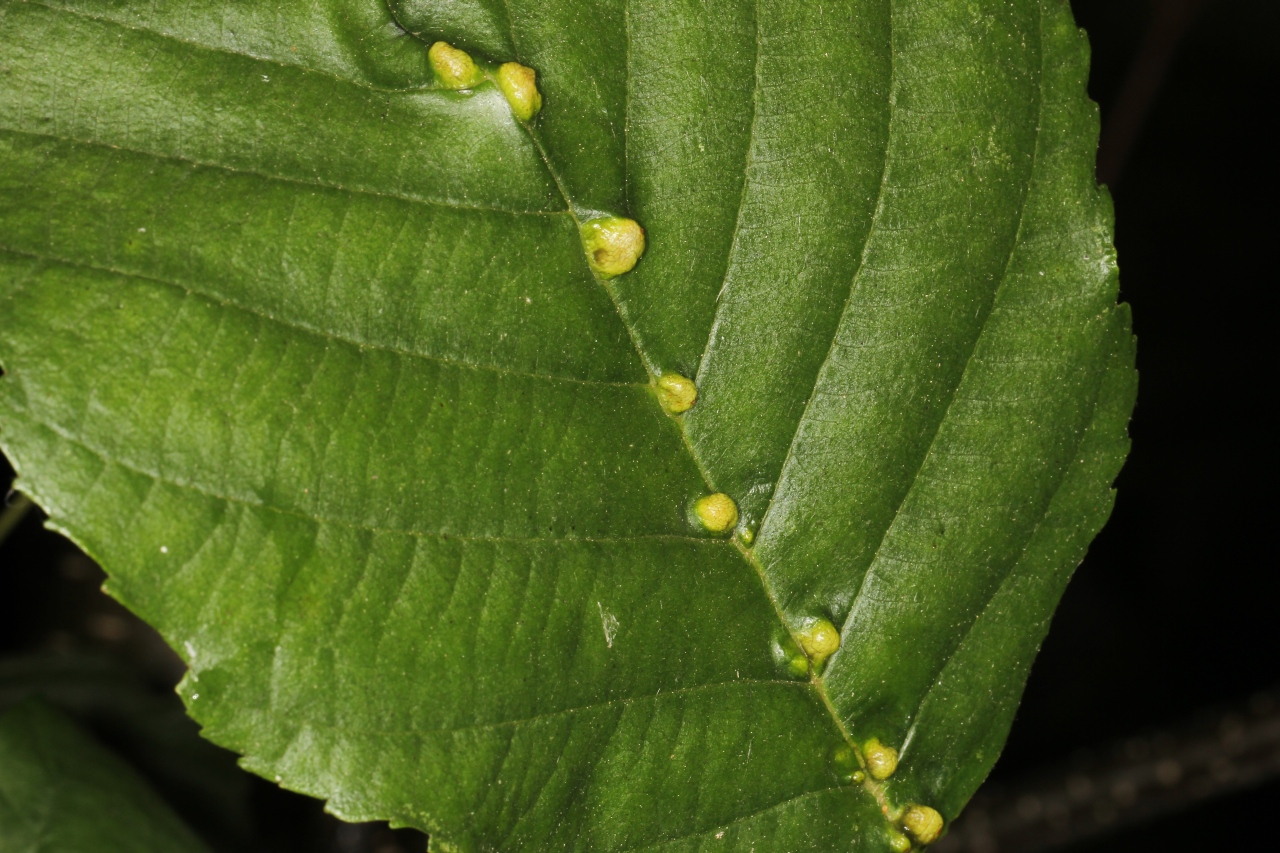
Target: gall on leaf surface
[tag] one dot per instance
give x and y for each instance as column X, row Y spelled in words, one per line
column 305, row 348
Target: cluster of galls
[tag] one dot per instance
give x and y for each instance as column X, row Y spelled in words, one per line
column 613, row 245
column 909, row 825
column 455, row 69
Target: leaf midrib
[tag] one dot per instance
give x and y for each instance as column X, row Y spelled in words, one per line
column 873, row 788
column 746, row 553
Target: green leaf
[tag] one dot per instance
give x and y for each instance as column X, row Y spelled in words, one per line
column 149, row 731
column 307, row 352
column 61, row 791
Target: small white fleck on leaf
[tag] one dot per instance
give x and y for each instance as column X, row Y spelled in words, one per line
column 610, row 624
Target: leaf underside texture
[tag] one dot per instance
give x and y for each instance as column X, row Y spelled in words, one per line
column 306, row 351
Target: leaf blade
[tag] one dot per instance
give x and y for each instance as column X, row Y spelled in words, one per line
column 299, row 450
column 149, row 89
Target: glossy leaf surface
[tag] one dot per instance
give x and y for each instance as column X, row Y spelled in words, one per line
column 62, row 792
column 306, row 351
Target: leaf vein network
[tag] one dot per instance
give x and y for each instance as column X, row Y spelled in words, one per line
column 305, row 328
column 285, row 179
column 161, row 479
column 226, row 51
column 876, row 217
column 954, row 391
column 781, row 804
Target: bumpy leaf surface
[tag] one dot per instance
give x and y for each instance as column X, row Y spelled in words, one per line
column 306, row 351
column 61, row 792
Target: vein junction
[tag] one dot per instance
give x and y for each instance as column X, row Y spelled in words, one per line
column 612, row 246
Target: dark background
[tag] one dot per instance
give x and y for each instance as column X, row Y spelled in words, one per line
column 1175, row 609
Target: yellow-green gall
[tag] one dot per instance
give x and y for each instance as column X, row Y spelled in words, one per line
column 819, row 639
column 845, row 763
column 520, row 84
column 676, row 393
column 881, row 760
column 454, row 68
column 898, row 842
column 717, row 513
column 613, row 244
column 790, row 660
column 922, row 823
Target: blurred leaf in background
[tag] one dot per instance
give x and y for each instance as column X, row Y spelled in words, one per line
column 60, row 792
